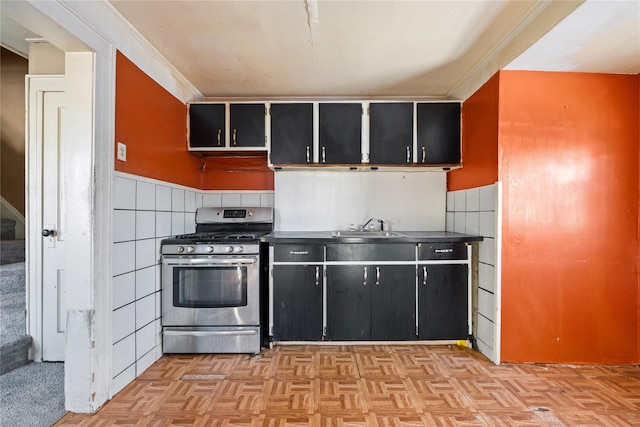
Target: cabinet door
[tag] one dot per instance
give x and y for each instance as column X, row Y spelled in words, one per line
column 206, row 125
column 247, row 125
column 348, row 302
column 391, row 133
column 393, row 302
column 297, row 302
column 340, row 133
column 443, row 302
column 438, row 133
column 291, row 133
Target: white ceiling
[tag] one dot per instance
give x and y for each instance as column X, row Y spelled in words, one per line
column 383, row 48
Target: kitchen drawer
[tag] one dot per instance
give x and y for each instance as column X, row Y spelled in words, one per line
column 442, row 251
column 371, row 252
column 298, row 253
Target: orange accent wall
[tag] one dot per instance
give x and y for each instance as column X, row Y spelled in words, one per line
column 152, row 123
column 568, row 160
column 479, row 139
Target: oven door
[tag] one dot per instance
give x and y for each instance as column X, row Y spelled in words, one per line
column 210, row 291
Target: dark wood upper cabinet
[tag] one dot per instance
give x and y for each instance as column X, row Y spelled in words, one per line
column 438, row 133
column 291, row 133
column 391, row 133
column 206, row 125
column 340, row 133
column 247, row 125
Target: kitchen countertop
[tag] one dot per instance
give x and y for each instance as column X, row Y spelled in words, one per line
column 323, row 237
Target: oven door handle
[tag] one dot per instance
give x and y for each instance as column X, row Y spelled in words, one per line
column 170, row 332
column 209, row 262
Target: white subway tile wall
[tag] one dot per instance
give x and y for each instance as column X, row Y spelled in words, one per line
column 145, row 212
column 475, row 211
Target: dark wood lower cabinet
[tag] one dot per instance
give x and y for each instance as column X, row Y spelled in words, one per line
column 297, row 302
column 443, row 302
column 369, row 302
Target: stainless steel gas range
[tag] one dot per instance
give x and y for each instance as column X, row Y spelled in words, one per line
column 211, row 283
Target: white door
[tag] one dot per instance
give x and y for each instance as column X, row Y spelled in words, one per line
column 45, row 110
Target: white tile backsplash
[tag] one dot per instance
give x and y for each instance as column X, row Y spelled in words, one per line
column 487, row 251
column 146, row 255
column 121, row 380
column 460, row 200
column 124, row 193
column 473, row 211
column 145, row 224
column 163, row 198
column 146, row 196
column 145, row 339
column 123, row 290
column 189, row 201
column 123, row 322
column 212, row 200
column 486, row 304
column 123, row 355
column 267, row 200
column 145, row 361
column 124, row 225
column 472, row 200
column 145, row 282
column 163, row 224
column 488, row 198
column 230, row 200
column 250, row 200
column 189, row 222
column 145, row 311
column 177, row 200
column 124, row 257
column 177, row 223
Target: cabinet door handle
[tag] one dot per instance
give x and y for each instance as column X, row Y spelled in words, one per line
column 308, row 154
column 219, row 134
column 324, row 155
column 234, row 137
column 317, row 276
column 365, row 277
column 408, row 154
column 377, row 276
column 424, row 155
column 424, row 275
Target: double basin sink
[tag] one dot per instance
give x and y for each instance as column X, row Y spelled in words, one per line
column 365, row 234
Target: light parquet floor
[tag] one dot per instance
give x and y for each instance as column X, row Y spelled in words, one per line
column 373, row 386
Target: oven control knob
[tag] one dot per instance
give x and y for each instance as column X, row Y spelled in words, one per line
column 210, row 249
column 228, row 249
column 180, row 249
column 250, row 213
column 238, row 249
column 190, row 249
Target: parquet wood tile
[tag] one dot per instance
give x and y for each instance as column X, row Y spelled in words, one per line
column 369, row 385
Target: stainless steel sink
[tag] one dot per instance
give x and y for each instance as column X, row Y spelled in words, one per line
column 365, row 234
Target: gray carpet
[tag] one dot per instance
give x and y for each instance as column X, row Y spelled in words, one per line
column 32, row 395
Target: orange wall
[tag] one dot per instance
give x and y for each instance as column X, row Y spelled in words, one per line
column 152, row 123
column 479, row 140
column 568, row 160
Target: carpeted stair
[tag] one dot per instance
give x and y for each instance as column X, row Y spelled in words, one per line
column 14, row 342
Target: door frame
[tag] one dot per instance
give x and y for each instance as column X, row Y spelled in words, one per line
column 33, row 204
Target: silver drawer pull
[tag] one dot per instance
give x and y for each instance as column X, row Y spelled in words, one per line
column 424, row 276
column 378, row 276
column 443, row 251
column 308, row 154
column 298, row 252
column 365, row 277
column 408, row 154
column 317, row 276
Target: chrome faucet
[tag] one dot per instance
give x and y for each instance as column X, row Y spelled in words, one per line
column 363, row 227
